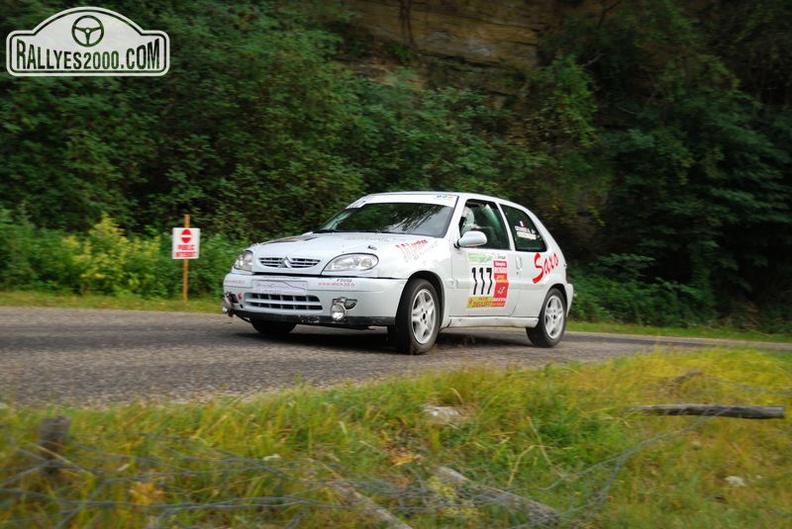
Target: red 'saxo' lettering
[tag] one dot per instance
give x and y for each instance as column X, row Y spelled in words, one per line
column 546, row 267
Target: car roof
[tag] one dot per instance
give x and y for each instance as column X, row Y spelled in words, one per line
column 462, row 195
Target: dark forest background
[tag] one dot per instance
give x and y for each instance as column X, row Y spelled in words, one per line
column 654, row 140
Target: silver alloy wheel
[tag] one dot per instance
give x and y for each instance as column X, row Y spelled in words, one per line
column 423, row 318
column 554, row 317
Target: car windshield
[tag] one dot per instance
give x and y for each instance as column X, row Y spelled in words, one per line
column 413, row 218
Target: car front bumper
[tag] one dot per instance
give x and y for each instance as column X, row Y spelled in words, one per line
column 348, row 301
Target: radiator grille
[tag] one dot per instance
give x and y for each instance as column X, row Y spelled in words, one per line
column 288, row 262
column 283, row 302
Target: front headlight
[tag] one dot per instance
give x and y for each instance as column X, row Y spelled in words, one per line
column 352, row 262
column 244, row 261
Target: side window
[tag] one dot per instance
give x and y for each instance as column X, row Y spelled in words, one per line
column 526, row 237
column 485, row 217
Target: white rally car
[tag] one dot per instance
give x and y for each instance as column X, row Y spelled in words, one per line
column 414, row 262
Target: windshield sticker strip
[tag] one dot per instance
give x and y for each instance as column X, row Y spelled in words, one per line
column 437, row 200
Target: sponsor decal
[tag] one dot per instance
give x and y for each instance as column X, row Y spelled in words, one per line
column 490, row 285
column 342, row 283
column 373, row 237
column 448, row 199
column 412, row 251
column 478, row 258
column 288, row 288
column 545, row 266
column 525, row 233
column 481, row 257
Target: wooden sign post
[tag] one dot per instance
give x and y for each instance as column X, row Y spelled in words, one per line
column 186, row 246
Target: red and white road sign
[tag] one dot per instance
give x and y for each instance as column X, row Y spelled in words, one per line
column 186, row 243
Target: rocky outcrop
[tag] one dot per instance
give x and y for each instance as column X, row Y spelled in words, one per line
column 502, row 33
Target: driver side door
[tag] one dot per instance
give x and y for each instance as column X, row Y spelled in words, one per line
column 483, row 276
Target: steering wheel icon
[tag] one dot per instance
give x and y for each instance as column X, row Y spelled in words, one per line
column 87, row 31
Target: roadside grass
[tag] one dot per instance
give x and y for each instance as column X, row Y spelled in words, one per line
column 96, row 301
column 212, row 305
column 723, row 333
column 561, row 435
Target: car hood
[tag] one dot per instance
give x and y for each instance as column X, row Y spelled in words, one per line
column 309, row 253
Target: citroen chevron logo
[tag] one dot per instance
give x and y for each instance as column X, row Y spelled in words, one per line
column 286, row 263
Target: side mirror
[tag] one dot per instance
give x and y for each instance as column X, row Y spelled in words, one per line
column 471, row 239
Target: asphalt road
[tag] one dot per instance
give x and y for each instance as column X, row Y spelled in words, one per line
column 98, row 356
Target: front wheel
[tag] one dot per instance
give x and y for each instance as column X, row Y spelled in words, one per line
column 417, row 319
column 273, row 328
column 552, row 321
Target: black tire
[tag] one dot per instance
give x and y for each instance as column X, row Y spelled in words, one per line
column 552, row 321
column 273, row 328
column 418, row 318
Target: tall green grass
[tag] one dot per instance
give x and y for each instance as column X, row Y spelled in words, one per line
column 561, row 435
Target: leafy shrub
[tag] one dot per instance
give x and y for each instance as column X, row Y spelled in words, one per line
column 614, row 289
column 105, row 261
column 29, row 257
column 660, row 303
column 108, row 262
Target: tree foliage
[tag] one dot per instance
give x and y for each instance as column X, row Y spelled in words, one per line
column 252, row 119
column 702, row 181
column 655, row 129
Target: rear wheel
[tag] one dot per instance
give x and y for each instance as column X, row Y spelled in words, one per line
column 552, row 321
column 418, row 318
column 273, row 328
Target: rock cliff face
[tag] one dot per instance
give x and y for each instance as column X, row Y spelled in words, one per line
column 502, row 33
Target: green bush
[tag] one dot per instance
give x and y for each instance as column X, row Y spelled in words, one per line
column 106, row 261
column 658, row 303
column 29, row 256
column 614, row 289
